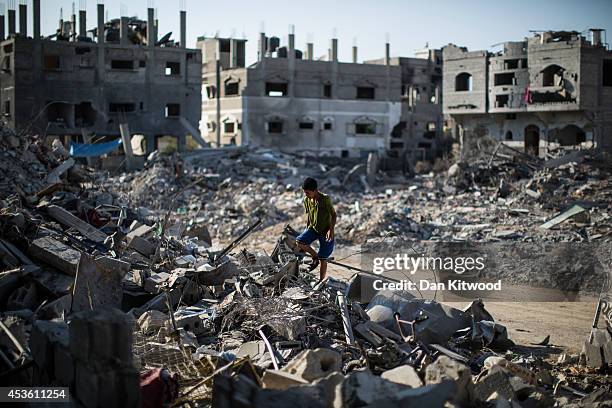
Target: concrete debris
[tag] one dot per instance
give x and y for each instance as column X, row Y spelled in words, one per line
column 183, row 284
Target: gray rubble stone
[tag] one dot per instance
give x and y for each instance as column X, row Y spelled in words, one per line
column 56, row 254
column 445, row 368
column 405, row 374
column 314, row 364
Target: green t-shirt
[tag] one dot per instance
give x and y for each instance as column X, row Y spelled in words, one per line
column 319, row 213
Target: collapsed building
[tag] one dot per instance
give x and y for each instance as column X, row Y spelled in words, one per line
column 291, row 100
column 553, row 89
column 80, row 83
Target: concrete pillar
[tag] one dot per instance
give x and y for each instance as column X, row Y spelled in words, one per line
column 233, row 53
column 11, row 21
column 262, row 46
column 291, row 63
column 334, row 50
column 126, row 139
column 183, row 29
column 2, row 28
column 151, row 40
column 100, row 65
column 73, row 24
column 310, row 51
column 23, row 20
column 100, row 24
column 354, row 54
column 150, row 143
column 292, row 43
column 36, row 18
column 387, row 53
column 123, row 31
column 82, row 23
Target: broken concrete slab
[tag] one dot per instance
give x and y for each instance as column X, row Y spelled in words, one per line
column 405, row 375
column 445, row 368
column 98, row 284
column 141, row 245
column 495, row 381
column 314, row 364
column 571, row 212
column 56, row 254
column 281, row 380
column 69, row 220
column 54, row 176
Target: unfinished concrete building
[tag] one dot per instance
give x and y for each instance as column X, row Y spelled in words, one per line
column 80, row 83
column 420, row 131
column 292, row 101
column 549, row 91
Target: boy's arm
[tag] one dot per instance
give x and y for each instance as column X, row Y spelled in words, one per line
column 330, row 233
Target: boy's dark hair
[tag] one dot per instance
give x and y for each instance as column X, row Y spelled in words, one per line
column 309, row 184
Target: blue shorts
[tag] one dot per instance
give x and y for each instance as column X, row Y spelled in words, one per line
column 309, row 236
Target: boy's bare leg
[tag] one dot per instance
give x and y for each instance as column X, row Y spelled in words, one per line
column 307, row 249
column 322, row 270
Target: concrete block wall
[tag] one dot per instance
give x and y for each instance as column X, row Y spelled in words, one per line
column 456, row 61
column 92, row 355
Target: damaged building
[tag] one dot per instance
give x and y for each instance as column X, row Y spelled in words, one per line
column 294, row 100
column 80, row 84
column 549, row 91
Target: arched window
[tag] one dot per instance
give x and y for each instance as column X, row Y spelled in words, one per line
column 552, row 75
column 509, row 135
column 463, row 82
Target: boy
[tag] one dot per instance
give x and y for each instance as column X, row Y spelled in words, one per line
column 321, row 220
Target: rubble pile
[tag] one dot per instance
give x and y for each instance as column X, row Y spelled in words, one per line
column 121, row 289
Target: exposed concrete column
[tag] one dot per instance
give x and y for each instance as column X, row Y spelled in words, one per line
column 354, row 54
column 126, row 139
column 73, row 24
column 23, row 20
column 100, row 30
column 292, row 42
column 334, row 50
column 123, row 31
column 309, row 51
column 11, row 21
column 2, row 28
column 233, row 53
column 82, row 23
column 36, row 18
column 100, row 34
column 150, row 143
column 291, row 61
column 262, row 46
column 388, row 63
column 387, row 54
column 151, row 40
column 183, row 29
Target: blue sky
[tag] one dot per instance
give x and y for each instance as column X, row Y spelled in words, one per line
column 409, row 24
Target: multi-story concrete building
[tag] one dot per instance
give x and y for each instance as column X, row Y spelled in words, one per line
column 419, row 132
column 84, row 82
column 293, row 103
column 553, row 89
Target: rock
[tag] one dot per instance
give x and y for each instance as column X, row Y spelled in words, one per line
column 445, row 368
column 314, row 364
column 56, row 254
column 405, row 374
column 151, row 321
column 496, row 381
column 281, row 380
column 362, row 388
